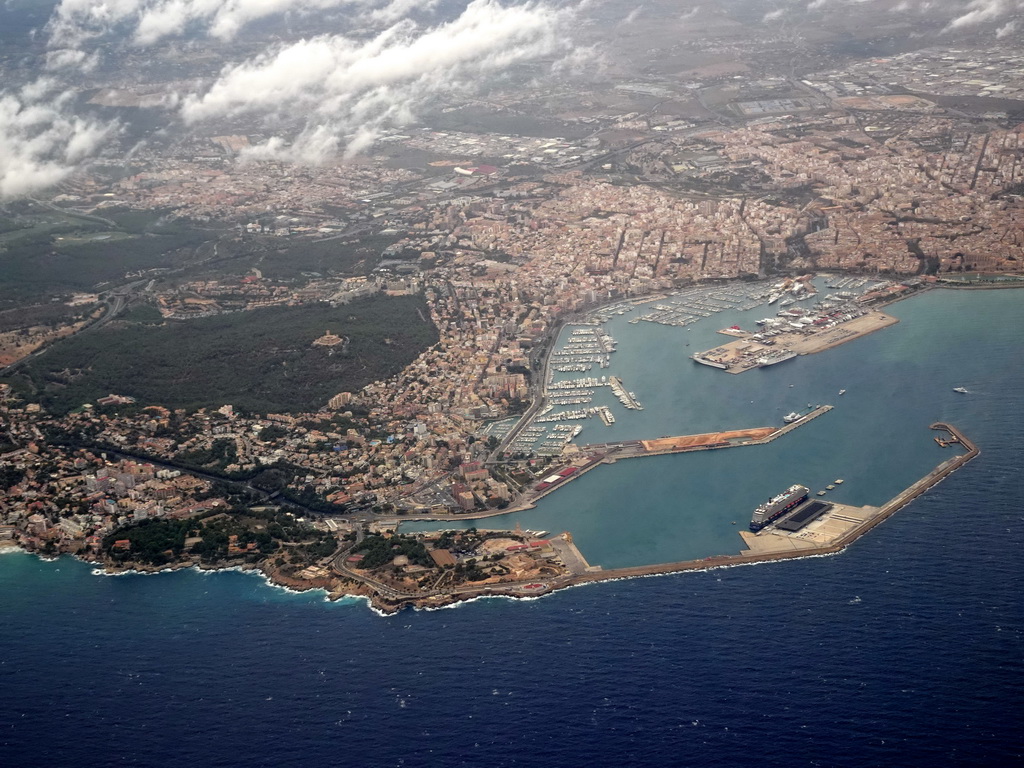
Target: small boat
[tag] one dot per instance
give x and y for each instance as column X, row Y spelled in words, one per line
column 842, row 391
column 830, row 487
column 839, row 481
column 961, row 390
column 791, row 417
column 821, row 493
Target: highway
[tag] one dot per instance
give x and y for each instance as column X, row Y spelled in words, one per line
column 116, row 302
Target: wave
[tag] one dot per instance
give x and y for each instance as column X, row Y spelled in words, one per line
column 513, row 598
column 129, row 572
column 611, row 579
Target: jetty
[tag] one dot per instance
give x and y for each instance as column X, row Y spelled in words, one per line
column 818, row 533
column 752, row 350
column 706, row 441
column 778, row 546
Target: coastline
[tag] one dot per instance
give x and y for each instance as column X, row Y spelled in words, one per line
column 353, row 586
column 603, row 454
column 343, row 586
column 883, row 513
column 743, row 354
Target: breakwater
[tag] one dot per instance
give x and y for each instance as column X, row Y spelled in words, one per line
column 609, row 453
column 899, row 501
column 583, row 573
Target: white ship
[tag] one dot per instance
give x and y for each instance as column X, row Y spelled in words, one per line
column 776, row 505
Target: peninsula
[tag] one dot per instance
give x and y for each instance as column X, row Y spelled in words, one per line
column 270, row 332
column 431, row 570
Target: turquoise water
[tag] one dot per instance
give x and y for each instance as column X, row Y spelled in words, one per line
column 903, row 651
column 899, row 381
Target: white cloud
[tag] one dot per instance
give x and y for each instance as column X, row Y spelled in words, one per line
column 351, row 90
column 985, row 11
column 683, row 18
column 778, row 13
column 819, row 4
column 71, row 58
column 1006, row 30
column 42, row 142
column 149, row 21
column 633, row 15
column 312, row 146
column 399, row 9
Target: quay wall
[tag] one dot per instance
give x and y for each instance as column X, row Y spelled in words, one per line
column 899, row 501
column 798, row 423
column 612, row 456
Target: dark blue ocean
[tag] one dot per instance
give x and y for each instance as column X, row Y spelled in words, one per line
column 905, row 650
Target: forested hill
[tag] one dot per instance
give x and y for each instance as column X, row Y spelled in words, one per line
column 261, row 361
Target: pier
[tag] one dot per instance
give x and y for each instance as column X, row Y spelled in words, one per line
column 859, row 521
column 706, row 441
column 811, row 416
column 759, row 351
column 830, row 533
column 625, row 397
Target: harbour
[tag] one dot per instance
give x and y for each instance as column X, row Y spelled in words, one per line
column 761, row 350
column 588, row 374
column 785, row 527
column 671, row 508
column 834, row 532
column 810, row 529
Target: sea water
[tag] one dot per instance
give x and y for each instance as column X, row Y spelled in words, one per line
column 898, row 382
column 905, row 650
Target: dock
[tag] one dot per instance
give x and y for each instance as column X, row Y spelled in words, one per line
column 833, row 532
column 748, row 352
column 570, row 556
column 706, row 441
column 625, row 397
column 811, row 416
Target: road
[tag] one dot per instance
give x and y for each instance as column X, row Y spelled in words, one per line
column 398, row 595
column 116, row 302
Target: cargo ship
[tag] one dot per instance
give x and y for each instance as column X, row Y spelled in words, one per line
column 778, row 505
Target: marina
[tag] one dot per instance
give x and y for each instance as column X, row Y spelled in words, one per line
column 689, row 503
column 681, row 308
column 582, row 381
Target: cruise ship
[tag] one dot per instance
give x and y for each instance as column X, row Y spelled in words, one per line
column 777, row 505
